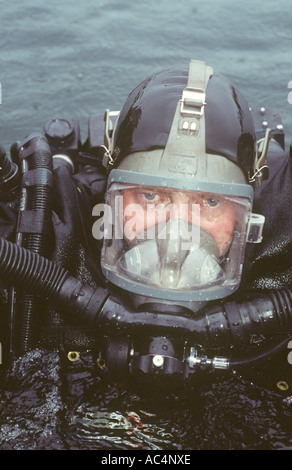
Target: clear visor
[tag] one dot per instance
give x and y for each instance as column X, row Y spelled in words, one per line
column 159, row 240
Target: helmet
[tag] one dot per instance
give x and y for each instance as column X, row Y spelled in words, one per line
column 146, row 118
column 179, row 199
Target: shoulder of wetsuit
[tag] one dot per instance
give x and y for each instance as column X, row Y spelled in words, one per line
column 93, row 180
column 269, row 265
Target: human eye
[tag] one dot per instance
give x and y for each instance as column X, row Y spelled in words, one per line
column 151, row 197
column 211, row 202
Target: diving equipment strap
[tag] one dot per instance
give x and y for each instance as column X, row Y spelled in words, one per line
column 187, row 135
column 261, row 171
column 193, row 97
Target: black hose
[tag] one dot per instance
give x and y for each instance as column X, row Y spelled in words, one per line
column 259, row 357
column 36, row 158
column 32, row 273
column 201, row 327
column 222, row 325
column 227, row 325
column 218, row 326
column 28, row 271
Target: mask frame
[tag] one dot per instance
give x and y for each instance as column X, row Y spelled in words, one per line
column 254, row 224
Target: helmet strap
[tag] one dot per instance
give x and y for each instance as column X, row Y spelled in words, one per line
column 187, row 135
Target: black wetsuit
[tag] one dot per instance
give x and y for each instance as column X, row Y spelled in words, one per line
column 268, row 266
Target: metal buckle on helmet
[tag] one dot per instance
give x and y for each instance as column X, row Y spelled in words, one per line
column 194, row 95
column 192, row 102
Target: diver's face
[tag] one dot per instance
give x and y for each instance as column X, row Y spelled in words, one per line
column 212, row 213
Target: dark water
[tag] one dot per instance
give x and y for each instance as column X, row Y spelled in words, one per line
column 45, row 405
column 74, row 60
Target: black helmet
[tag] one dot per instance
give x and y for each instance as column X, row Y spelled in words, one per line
column 146, row 118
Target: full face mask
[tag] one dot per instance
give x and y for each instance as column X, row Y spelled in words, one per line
column 174, row 243
column 177, row 219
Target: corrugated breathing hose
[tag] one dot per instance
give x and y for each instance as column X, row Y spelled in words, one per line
column 229, row 324
column 33, row 228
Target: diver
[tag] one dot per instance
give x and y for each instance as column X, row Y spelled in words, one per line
column 162, row 244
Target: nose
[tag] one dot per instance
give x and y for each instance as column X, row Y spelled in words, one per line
column 180, row 198
column 185, row 208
